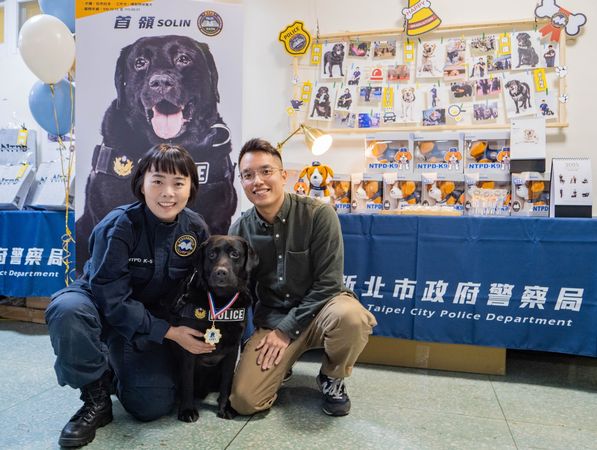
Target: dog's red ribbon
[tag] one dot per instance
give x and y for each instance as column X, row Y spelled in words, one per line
column 555, row 30
column 212, row 308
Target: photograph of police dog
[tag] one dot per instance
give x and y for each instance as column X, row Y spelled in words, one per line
column 167, row 92
column 520, row 93
column 333, row 55
column 527, row 53
column 222, row 273
column 322, row 103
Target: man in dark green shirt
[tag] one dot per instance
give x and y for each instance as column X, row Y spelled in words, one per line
column 301, row 302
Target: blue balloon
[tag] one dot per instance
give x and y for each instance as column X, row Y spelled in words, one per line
column 42, row 104
column 63, row 9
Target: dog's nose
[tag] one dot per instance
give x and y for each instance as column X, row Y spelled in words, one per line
column 221, row 272
column 161, row 82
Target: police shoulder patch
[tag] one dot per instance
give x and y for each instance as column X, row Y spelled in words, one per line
column 185, row 245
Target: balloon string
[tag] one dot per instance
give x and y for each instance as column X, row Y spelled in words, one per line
column 67, row 237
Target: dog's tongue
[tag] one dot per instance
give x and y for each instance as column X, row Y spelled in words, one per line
column 166, row 126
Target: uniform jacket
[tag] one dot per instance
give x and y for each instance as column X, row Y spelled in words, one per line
column 135, row 267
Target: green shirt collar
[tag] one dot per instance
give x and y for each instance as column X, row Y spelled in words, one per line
column 282, row 214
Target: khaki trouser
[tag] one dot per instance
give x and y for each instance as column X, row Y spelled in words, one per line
column 341, row 328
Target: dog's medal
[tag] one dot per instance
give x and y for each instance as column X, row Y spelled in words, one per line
column 213, row 335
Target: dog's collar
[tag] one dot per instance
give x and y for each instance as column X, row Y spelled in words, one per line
column 212, row 306
column 318, row 188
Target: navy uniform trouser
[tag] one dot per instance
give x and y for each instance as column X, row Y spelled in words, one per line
column 84, row 351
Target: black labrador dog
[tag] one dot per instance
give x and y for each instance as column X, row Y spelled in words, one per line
column 214, row 299
column 167, row 92
column 334, row 57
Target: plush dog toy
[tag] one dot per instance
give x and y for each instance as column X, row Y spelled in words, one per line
column 341, row 191
column 445, row 192
column 483, row 154
column 405, row 192
column 370, row 191
column 300, row 187
column 319, row 176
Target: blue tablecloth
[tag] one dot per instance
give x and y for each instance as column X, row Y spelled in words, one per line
column 31, row 252
column 523, row 283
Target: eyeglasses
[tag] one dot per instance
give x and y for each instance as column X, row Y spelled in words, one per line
column 248, row 176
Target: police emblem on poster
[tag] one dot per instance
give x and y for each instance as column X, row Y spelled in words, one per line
column 210, row 23
column 295, row 38
column 123, row 166
column 185, row 245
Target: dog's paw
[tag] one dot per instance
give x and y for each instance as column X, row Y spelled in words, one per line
column 227, row 413
column 188, row 415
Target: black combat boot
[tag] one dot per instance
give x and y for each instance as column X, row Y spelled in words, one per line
column 96, row 412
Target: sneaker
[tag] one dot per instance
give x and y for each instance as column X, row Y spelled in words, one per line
column 335, row 397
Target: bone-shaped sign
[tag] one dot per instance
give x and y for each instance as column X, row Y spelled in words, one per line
column 560, row 17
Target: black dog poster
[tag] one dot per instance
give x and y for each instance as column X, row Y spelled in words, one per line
column 161, row 71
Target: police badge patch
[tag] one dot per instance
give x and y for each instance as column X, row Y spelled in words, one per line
column 185, row 245
column 122, row 166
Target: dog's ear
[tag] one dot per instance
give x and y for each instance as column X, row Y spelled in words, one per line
column 199, row 262
column 211, row 68
column 251, row 258
column 120, row 76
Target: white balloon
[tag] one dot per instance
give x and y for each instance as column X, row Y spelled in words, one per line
column 47, row 47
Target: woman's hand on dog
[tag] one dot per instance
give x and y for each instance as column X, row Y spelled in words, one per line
column 187, row 338
column 271, row 348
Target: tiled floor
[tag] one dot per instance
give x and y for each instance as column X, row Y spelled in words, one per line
column 545, row 401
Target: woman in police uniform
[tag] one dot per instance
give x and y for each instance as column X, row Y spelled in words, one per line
column 108, row 327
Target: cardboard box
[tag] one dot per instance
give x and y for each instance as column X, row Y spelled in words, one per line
column 49, row 189
column 434, row 355
column 15, row 181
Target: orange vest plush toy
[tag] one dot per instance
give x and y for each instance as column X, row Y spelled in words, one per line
column 319, row 176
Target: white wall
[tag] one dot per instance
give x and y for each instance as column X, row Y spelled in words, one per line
column 267, row 69
column 267, row 85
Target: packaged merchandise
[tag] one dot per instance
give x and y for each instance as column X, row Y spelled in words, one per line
column 443, row 189
column 487, row 194
column 389, row 152
column 530, row 194
column 438, row 152
column 340, row 193
column 367, row 193
column 487, row 152
column 400, row 191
